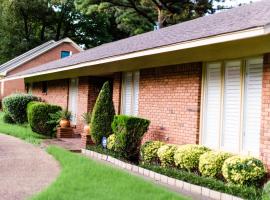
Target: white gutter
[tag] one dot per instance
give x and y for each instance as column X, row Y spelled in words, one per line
column 244, row 34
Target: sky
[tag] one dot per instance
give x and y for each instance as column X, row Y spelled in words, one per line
column 237, row 2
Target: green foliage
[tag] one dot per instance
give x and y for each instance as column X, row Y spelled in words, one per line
column 86, row 117
column 129, row 132
column 266, row 192
column 102, row 115
column 15, row 106
column 245, row 192
column 165, row 154
column 38, row 116
column 7, row 119
column 187, row 156
column 211, row 163
column 243, row 170
column 111, row 142
column 149, row 152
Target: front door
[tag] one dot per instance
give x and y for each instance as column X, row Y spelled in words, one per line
column 73, row 98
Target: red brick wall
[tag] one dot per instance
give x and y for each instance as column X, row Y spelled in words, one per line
column 265, row 120
column 170, row 97
column 57, row 92
column 117, row 92
column 51, row 55
column 13, row 86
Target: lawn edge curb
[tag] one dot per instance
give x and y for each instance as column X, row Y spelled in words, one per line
column 182, row 185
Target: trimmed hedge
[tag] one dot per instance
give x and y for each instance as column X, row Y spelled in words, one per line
column 102, row 115
column 7, row 119
column 39, row 115
column 165, row 154
column 15, row 106
column 211, row 163
column 243, row 170
column 266, row 192
column 187, row 156
column 149, row 152
column 128, row 132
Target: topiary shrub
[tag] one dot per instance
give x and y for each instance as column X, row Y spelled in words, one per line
column 39, row 115
column 187, row 156
column 111, row 142
column 243, row 170
column 7, row 119
column 128, row 132
column 15, row 106
column 266, row 192
column 102, row 115
column 149, row 152
column 165, row 154
column 210, row 163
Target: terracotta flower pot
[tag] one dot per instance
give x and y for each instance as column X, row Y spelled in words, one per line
column 86, row 129
column 64, row 123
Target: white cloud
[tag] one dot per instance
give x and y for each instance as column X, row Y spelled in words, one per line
column 236, row 2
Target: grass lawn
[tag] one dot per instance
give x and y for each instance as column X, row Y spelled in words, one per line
column 23, row 132
column 82, row 178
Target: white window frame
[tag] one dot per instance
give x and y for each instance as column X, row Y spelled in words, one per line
column 244, row 61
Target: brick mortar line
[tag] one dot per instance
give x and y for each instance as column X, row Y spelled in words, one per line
column 172, row 182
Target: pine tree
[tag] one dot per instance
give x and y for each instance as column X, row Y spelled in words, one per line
column 102, row 115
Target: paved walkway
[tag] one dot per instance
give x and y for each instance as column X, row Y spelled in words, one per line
column 24, row 169
column 71, row 144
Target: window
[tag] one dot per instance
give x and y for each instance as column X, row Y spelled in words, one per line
column 130, row 93
column 28, row 87
column 65, row 54
column 44, row 87
column 232, row 105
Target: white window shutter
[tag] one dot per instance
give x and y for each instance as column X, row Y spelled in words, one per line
column 136, row 80
column 127, row 94
column 252, row 110
column 232, row 106
column 73, row 98
column 211, row 127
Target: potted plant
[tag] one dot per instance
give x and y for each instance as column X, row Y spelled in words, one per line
column 86, row 117
column 64, row 118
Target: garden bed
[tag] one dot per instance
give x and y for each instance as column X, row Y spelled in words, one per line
column 218, row 188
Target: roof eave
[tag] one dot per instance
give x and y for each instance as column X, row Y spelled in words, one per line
column 228, row 37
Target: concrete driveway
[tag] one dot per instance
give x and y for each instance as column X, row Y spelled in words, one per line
column 24, row 169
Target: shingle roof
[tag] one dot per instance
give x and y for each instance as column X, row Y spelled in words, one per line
column 236, row 19
column 25, row 57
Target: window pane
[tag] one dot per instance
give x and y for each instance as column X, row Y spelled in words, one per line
column 65, row 54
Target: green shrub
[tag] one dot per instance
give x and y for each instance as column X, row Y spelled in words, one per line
column 165, row 154
column 187, row 156
column 210, row 163
column 102, row 116
column 39, row 115
column 111, row 142
column 129, row 131
column 266, row 192
column 7, row 119
column 149, row 151
column 15, row 106
column 243, row 170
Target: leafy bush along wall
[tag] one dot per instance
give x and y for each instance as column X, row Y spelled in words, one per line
column 15, row 106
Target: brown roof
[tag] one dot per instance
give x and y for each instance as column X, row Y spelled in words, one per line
column 236, row 19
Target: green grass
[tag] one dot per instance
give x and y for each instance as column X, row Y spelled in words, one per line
column 23, row 132
column 83, row 179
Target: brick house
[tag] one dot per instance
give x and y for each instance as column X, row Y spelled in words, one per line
column 205, row 81
column 42, row 54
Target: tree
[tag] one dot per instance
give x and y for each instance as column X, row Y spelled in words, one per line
column 102, row 115
column 138, row 16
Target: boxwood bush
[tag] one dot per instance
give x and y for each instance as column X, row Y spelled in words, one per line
column 243, row 170
column 149, row 152
column 102, row 115
column 39, row 114
column 210, row 163
column 187, row 156
column 15, row 106
column 166, row 155
column 128, row 132
column 7, row 119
